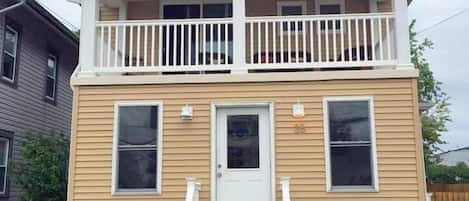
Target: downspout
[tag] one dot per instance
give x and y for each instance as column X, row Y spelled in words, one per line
column 22, row 2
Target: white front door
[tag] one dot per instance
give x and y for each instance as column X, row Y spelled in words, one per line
column 243, row 169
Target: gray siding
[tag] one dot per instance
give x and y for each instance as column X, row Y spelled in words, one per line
column 23, row 108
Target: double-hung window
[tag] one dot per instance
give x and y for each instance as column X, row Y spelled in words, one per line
column 137, row 148
column 350, row 144
column 330, row 7
column 10, row 46
column 51, row 80
column 4, row 154
column 291, row 8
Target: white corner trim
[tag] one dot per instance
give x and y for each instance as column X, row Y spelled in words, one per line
column 115, row 143
column 213, row 141
column 374, row 158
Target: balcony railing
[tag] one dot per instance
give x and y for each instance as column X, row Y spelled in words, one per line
column 277, row 42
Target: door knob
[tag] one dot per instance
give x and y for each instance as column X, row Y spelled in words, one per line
column 219, row 174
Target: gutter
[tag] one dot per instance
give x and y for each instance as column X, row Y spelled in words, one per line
column 22, row 2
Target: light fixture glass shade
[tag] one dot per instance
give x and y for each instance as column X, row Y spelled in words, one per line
column 298, row 110
column 186, row 112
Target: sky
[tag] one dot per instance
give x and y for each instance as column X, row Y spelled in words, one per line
column 448, row 59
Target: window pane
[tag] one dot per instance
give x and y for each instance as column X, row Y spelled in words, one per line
column 243, row 141
column 137, row 169
column 51, row 67
column 10, row 41
column 349, row 121
column 3, row 152
column 351, row 166
column 292, row 10
column 2, row 179
column 138, row 125
column 217, row 10
column 50, row 88
column 8, row 66
column 330, row 9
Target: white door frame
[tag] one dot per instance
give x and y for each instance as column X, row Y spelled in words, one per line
column 213, row 141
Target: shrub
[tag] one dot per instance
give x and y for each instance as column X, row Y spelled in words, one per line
column 41, row 172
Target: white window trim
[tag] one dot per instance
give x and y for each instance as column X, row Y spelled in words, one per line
column 54, row 77
column 7, row 154
column 374, row 160
column 159, row 171
column 12, row 54
column 319, row 3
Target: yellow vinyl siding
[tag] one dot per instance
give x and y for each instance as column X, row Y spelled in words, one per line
column 186, row 144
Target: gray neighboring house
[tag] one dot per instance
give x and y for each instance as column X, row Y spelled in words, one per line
column 453, row 157
column 38, row 56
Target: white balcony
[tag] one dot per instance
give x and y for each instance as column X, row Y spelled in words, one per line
column 247, row 44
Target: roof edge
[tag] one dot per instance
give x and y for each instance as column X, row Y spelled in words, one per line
column 53, row 20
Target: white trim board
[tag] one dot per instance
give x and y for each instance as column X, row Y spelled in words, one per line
column 374, row 158
column 213, row 141
column 159, row 168
column 240, row 78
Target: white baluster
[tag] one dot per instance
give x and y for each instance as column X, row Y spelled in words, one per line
column 303, row 31
column 124, row 39
column 251, row 41
column 357, row 39
column 137, row 60
column 193, row 188
column 274, row 37
column 342, row 41
column 116, row 45
column 365, row 39
column 145, row 45
column 285, row 183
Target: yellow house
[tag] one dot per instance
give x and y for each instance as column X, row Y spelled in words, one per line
column 253, row 100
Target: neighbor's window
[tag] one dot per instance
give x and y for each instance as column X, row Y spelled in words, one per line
column 51, row 82
column 330, row 7
column 4, row 153
column 10, row 46
column 291, row 8
column 138, row 160
column 350, row 144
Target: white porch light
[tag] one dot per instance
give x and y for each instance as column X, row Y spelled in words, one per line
column 186, row 112
column 298, row 111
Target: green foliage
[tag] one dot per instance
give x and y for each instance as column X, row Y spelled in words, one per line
column 449, row 174
column 42, row 172
column 433, row 121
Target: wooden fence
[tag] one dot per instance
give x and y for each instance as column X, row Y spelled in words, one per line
column 450, row 192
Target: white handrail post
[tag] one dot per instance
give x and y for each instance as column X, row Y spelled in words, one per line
column 87, row 58
column 239, row 36
column 401, row 30
column 285, row 183
column 193, row 188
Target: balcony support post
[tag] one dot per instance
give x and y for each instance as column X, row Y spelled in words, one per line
column 87, row 58
column 402, row 36
column 239, row 37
